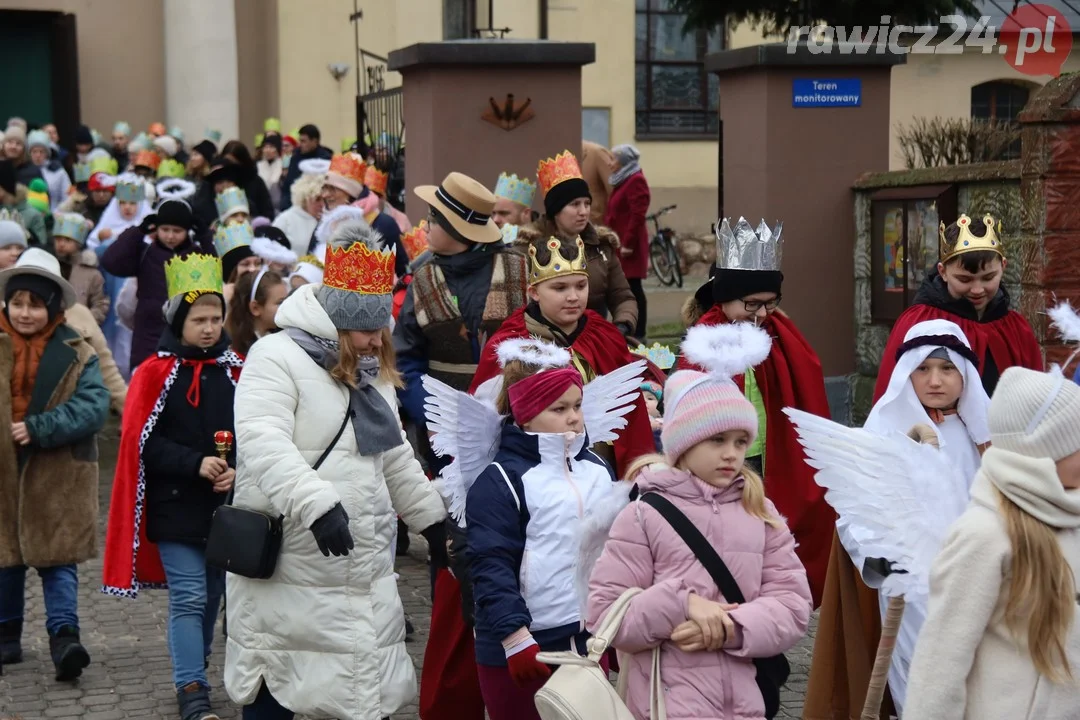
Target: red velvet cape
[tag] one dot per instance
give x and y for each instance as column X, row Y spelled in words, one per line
column 449, row 683
column 1009, row 340
column 603, row 347
column 791, row 377
column 131, row 561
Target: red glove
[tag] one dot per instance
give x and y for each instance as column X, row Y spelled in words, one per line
column 524, row 667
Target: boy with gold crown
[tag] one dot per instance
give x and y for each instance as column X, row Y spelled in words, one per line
column 967, row 290
column 746, row 287
column 171, row 476
column 558, row 292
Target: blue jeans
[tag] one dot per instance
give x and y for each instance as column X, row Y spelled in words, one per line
column 195, row 592
column 59, row 583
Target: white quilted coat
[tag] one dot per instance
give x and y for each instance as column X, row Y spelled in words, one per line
column 326, row 634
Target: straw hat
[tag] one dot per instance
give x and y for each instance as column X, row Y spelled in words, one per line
column 466, row 204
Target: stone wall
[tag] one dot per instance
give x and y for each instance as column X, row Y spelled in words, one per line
column 982, row 188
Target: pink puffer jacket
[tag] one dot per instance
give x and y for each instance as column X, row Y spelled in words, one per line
column 644, row 551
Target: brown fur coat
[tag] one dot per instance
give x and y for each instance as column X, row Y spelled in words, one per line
column 49, row 489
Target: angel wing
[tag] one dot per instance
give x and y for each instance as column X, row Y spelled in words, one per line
column 465, row 428
column 896, row 496
column 608, row 399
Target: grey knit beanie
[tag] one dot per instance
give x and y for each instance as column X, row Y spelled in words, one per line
column 1035, row 414
column 348, row 309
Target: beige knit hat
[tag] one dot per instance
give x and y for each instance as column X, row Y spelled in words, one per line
column 1035, row 414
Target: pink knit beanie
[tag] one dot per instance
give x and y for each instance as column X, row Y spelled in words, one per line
column 701, row 405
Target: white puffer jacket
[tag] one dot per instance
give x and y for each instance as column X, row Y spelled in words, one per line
column 326, row 634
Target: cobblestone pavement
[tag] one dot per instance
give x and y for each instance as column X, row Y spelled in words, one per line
column 130, row 673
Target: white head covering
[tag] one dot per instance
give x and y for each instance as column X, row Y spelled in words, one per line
column 899, row 408
column 114, row 221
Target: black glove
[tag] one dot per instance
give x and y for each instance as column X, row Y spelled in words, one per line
column 882, row 567
column 625, row 328
column 436, row 540
column 331, row 532
column 149, row 224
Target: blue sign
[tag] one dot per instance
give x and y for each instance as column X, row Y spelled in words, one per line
column 846, row 92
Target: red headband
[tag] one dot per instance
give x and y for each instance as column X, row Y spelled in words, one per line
column 533, row 395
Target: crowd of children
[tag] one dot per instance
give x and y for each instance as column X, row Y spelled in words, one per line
column 578, row 476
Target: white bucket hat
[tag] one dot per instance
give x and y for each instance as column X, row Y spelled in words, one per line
column 36, row 261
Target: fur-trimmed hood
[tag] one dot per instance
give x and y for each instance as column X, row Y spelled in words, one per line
column 544, row 227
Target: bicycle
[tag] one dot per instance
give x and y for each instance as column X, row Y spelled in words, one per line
column 662, row 251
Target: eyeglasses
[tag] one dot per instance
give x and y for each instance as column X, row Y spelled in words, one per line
column 752, row 306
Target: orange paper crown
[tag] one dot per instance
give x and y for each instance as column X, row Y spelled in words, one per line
column 147, row 158
column 360, row 269
column 376, row 180
column 416, row 240
column 350, row 166
column 553, row 171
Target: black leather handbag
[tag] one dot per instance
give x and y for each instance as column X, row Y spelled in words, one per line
column 772, row 672
column 248, row 542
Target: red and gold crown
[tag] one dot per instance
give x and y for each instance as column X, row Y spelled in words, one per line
column 350, row 166
column 553, row 171
column 376, row 180
column 416, row 240
column 147, row 158
column 360, row 269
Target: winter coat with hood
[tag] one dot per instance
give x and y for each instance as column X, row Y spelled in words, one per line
column 609, row 292
column 528, row 517
column 644, row 551
column 81, row 320
column 180, row 502
column 137, row 255
column 326, row 634
column 32, row 220
column 968, row 664
column 626, row 211
column 597, row 164
column 49, row 489
column 82, row 272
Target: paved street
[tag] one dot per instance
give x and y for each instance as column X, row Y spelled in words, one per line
column 129, row 676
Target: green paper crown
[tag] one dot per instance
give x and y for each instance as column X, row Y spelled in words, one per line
column 194, row 273
column 347, row 143
column 105, row 164
column 170, row 168
column 272, row 124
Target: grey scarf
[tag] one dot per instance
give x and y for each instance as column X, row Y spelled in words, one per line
column 374, row 423
column 629, row 163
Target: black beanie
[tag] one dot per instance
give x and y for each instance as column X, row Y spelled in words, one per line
column 83, row 136
column 207, row 149
column 7, row 176
column 232, row 258
column 730, row 285
column 272, row 139
column 563, row 194
column 43, row 288
column 175, row 212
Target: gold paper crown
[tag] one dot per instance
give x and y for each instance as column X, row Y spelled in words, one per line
column 194, row 273
column 360, row 269
column 416, row 240
column 311, row 260
column 376, row 180
column 966, row 241
column 350, row 166
column 553, row 171
column 558, row 265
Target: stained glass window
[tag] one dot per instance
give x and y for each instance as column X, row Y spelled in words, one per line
column 674, row 95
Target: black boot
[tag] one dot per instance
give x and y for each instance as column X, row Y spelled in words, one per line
column 11, row 642
column 68, row 654
column 194, row 702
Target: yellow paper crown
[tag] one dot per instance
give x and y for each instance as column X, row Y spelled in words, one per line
column 557, row 265
column 194, row 273
column 967, row 241
column 553, row 171
column 360, row 269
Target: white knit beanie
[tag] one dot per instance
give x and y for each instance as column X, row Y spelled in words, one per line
column 1035, row 414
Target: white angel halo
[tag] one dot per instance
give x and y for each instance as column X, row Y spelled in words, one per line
column 175, row 189
column 1067, row 323
column 532, row 352
column 468, row 428
column 314, row 166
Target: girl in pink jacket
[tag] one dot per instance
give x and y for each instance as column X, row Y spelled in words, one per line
column 707, row 643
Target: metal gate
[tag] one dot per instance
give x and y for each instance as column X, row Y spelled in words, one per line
column 380, row 124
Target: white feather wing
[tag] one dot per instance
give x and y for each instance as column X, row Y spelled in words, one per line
column 463, row 427
column 608, row 399
column 898, row 496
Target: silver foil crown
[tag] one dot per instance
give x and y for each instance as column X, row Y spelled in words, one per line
column 744, row 248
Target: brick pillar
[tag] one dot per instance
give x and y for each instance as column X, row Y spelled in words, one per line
column 1049, row 246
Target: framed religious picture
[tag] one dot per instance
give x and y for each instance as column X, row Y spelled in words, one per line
column 904, row 243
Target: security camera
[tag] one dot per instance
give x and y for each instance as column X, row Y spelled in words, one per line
column 338, row 70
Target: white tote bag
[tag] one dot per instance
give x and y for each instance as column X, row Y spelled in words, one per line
column 579, row 689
